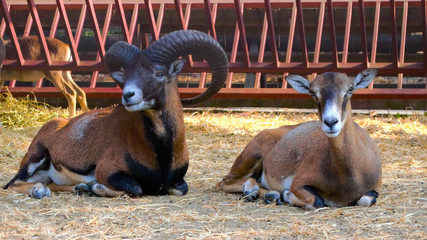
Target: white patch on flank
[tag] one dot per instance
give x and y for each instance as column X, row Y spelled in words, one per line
column 287, row 182
column 264, row 181
column 66, row 177
column 33, row 166
column 79, row 128
column 365, row 201
column 40, row 176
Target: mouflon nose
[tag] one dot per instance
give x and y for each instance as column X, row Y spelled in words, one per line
column 330, row 122
column 128, row 95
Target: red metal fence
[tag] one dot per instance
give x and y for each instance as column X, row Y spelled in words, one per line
column 141, row 22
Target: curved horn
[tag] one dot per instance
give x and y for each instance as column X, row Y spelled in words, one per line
column 181, row 43
column 119, row 55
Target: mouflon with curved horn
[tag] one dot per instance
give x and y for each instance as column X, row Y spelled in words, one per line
column 331, row 162
column 137, row 148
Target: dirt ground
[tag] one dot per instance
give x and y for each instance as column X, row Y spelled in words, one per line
column 214, row 140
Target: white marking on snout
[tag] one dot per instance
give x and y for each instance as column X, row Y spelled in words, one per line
column 137, row 96
column 331, row 111
column 143, row 105
column 66, row 177
column 79, row 128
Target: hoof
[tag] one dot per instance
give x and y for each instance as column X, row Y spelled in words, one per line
column 99, row 190
column 83, row 189
column 273, row 197
column 250, row 192
column 179, row 189
column 287, row 196
column 39, row 191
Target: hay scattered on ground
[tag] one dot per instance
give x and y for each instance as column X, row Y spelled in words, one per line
column 214, row 140
column 25, row 112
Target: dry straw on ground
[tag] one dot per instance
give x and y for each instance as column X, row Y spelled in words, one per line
column 214, row 140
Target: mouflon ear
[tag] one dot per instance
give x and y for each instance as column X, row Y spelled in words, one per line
column 119, row 78
column 176, row 68
column 364, row 78
column 299, row 83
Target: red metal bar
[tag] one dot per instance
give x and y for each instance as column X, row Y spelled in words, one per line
column 211, row 18
column 394, row 33
column 123, row 23
column 150, row 14
column 96, row 29
column 261, row 50
column 160, row 17
column 12, row 33
column 375, row 33
column 233, row 55
column 375, row 37
column 234, row 93
column 105, row 28
column 180, row 14
column 333, row 34
column 318, row 36
column 52, row 33
column 55, row 22
column 234, row 50
column 386, row 68
column 402, row 42
column 3, row 23
column 67, row 28
column 210, row 15
column 133, row 20
column 40, row 35
column 245, row 50
column 28, row 26
column 183, row 21
column 302, row 34
column 80, row 25
column 363, row 34
column 347, row 32
column 187, row 15
column 290, row 43
column 271, row 32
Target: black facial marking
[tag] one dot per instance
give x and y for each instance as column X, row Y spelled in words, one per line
column 344, row 106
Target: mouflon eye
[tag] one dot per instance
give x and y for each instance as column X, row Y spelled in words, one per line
column 160, row 75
